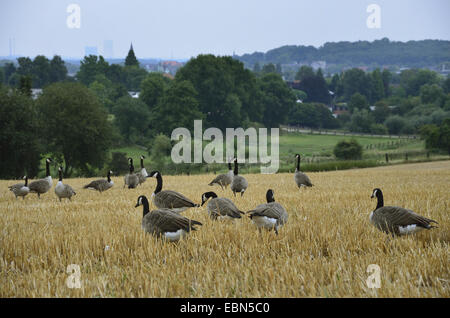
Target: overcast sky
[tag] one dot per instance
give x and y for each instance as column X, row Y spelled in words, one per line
column 185, row 28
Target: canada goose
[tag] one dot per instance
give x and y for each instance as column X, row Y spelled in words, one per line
column 300, row 178
column 396, row 220
column 270, row 215
column 43, row 185
column 224, row 179
column 63, row 190
column 101, row 184
column 131, row 179
column 164, row 222
column 239, row 183
column 142, row 174
column 20, row 189
column 221, row 208
column 169, row 199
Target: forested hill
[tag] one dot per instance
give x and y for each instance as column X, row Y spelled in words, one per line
column 425, row 53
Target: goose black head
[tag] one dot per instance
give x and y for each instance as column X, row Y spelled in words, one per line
column 376, row 193
column 24, row 177
column 140, row 201
column 269, row 196
column 142, row 157
column 297, row 155
column 49, row 160
column 207, row 195
column 154, row 174
column 60, row 168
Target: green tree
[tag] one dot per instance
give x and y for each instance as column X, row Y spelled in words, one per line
column 348, row 150
column 355, row 81
column 214, row 79
column 9, row 69
column 25, row 85
column 268, row 68
column 90, row 68
column 381, row 112
column 119, row 163
column 386, row 77
column 132, row 117
column 58, row 69
column 152, row 89
column 358, row 101
column 413, row 79
column 41, row 71
column 19, row 135
column 278, row 100
column 361, row 121
column 304, row 72
column 377, row 86
column 395, row 124
column 430, row 94
column 179, row 107
column 437, row 137
column 134, row 77
column 75, row 126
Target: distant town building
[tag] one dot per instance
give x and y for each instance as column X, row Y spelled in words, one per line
column 90, row 50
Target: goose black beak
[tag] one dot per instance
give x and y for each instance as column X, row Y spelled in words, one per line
column 372, row 196
column 136, row 205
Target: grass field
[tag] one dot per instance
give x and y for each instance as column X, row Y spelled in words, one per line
column 324, row 250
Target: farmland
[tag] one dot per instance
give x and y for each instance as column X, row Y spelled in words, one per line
column 323, row 251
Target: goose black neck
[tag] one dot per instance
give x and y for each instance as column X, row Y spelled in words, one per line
column 159, row 184
column 47, row 168
column 236, row 168
column 142, row 163
column 145, row 206
column 298, row 163
column 60, row 175
column 380, row 201
column 229, row 166
column 26, row 181
column 131, row 168
column 109, row 176
column 269, row 197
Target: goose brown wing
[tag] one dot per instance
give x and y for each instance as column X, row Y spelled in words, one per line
column 397, row 216
column 267, row 210
column 224, row 206
column 97, row 184
column 301, row 178
column 39, row 186
column 172, row 200
column 168, row 221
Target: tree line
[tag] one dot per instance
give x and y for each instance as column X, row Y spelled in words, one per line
column 78, row 120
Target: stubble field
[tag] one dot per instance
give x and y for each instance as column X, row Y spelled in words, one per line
column 324, row 250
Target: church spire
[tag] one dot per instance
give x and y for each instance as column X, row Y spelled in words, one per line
column 131, row 59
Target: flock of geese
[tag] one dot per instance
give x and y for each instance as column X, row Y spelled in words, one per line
column 167, row 222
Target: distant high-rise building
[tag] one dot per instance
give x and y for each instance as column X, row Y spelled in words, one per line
column 90, row 50
column 108, row 49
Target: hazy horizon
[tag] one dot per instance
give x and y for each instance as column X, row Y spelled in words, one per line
column 179, row 29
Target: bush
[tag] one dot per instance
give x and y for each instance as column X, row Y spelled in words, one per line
column 119, row 163
column 378, row 129
column 395, row 124
column 348, row 150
